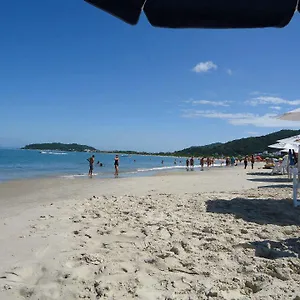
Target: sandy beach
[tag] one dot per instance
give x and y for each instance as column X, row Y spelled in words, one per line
column 225, row 233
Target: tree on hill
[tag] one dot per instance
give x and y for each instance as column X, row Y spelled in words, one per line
column 243, row 146
column 59, row 147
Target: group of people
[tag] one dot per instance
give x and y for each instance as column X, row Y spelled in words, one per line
column 229, row 161
column 91, row 161
column 249, row 159
column 190, row 162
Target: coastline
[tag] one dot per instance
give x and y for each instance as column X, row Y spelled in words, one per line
column 98, row 173
column 132, row 237
column 38, row 187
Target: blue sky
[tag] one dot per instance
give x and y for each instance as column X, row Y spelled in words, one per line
column 72, row 73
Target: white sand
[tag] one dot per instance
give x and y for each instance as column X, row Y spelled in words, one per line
column 218, row 234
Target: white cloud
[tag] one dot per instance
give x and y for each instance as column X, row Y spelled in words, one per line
column 229, row 72
column 207, row 102
column 275, row 107
column 190, row 113
column 258, row 93
column 240, row 119
column 252, row 133
column 262, row 100
column 204, row 67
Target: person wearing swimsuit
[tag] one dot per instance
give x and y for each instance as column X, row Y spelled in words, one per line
column 116, row 164
column 91, row 161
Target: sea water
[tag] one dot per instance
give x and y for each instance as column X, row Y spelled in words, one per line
column 20, row 164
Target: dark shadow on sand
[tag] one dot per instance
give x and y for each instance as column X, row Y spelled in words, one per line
column 260, row 211
column 273, row 250
column 276, row 179
column 277, row 186
column 260, row 173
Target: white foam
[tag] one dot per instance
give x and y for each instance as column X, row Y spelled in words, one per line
column 53, row 153
column 173, row 168
column 164, row 168
column 77, row 175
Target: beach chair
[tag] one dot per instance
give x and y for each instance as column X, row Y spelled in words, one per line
column 295, row 169
column 281, row 167
column 277, row 169
column 285, row 165
column 296, row 185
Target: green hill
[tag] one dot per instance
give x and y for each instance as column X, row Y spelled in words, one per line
column 243, row 146
column 60, row 147
column 238, row 147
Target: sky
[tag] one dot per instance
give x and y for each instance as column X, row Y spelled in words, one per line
column 69, row 72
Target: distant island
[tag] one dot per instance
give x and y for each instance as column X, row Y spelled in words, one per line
column 240, row 147
column 60, row 147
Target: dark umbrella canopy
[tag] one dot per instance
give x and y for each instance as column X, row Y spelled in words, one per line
column 203, row 13
column 127, row 10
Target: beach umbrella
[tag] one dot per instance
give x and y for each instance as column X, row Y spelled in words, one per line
column 292, row 140
column 203, row 13
column 278, row 145
column 285, row 147
column 287, row 150
column 293, row 115
column 290, row 147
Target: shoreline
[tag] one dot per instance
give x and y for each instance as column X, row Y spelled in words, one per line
column 20, row 186
column 154, row 171
column 30, row 192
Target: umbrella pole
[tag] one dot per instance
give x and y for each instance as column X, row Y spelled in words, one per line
column 296, row 178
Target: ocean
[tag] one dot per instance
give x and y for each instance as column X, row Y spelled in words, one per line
column 21, row 164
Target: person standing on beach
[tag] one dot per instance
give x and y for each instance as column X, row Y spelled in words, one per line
column 116, row 164
column 252, row 162
column 187, row 162
column 202, row 163
column 208, row 162
column 91, row 161
column 246, row 162
column 192, row 163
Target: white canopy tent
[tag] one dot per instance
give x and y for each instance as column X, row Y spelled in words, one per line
column 293, row 115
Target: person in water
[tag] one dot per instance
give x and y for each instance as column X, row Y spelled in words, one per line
column 91, row 161
column 116, row 164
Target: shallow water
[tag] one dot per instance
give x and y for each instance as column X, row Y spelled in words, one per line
column 19, row 164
